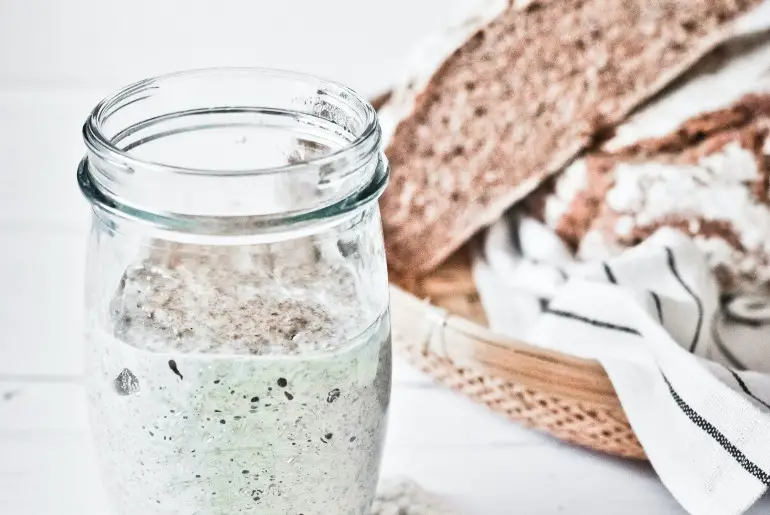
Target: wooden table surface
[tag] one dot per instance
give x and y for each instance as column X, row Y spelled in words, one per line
column 56, row 60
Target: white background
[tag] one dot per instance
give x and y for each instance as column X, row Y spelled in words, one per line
column 57, row 59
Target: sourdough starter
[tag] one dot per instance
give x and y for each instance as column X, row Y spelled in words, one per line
column 226, row 386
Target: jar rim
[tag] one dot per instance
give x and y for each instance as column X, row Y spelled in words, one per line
column 303, row 144
column 234, row 226
column 102, row 146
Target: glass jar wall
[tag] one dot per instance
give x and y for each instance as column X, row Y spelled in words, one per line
column 238, row 355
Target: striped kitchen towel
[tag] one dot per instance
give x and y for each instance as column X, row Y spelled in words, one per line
column 692, row 370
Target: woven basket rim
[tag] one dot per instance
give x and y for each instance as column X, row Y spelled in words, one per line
column 467, row 342
column 569, row 397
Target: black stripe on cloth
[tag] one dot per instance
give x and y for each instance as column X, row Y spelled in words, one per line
column 656, row 299
column 515, row 236
column 748, row 465
column 591, row 321
column 721, row 347
column 610, row 276
column 746, row 389
column 698, row 303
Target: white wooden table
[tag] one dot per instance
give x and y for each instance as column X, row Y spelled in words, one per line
column 56, row 60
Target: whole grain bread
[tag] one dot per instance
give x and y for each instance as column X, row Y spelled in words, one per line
column 518, row 99
column 709, row 179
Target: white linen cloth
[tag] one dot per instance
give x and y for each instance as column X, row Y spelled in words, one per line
column 675, row 352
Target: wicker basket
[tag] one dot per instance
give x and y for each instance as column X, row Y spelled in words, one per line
column 445, row 336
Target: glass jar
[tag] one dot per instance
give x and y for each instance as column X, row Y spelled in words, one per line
column 238, row 340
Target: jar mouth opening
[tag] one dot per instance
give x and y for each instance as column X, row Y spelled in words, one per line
column 367, row 138
column 232, row 142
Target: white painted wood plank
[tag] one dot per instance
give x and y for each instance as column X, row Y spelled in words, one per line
column 51, row 410
column 80, row 43
column 49, row 475
column 460, row 451
column 552, row 480
column 40, row 147
column 543, row 481
column 57, row 476
column 481, row 462
column 41, row 273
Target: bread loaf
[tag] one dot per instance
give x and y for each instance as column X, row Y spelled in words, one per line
column 709, row 179
column 515, row 94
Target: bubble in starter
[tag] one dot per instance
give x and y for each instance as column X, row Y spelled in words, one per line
column 126, row 383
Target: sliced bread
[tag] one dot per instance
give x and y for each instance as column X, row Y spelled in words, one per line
column 524, row 87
